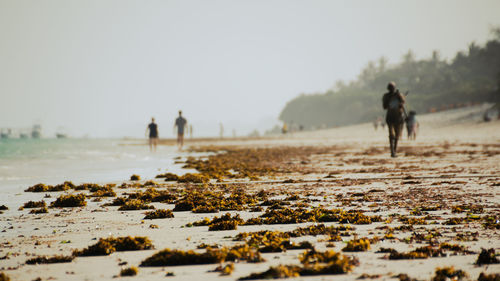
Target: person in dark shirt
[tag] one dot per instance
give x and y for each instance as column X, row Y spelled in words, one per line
column 412, row 125
column 153, row 134
column 393, row 102
column 181, row 124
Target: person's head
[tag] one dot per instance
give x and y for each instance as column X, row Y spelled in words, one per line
column 391, row 86
column 180, row 112
column 152, row 119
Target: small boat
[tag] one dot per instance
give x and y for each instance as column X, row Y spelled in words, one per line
column 61, row 133
column 36, row 132
column 6, row 135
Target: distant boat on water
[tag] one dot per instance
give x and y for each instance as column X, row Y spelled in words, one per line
column 6, row 134
column 61, row 133
column 36, row 132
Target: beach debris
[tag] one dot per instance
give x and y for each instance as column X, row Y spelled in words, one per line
column 313, row 263
column 129, row 271
column 46, row 260
column 491, row 222
column 252, row 163
column 168, row 176
column 486, row 277
column 169, row 257
column 107, row 246
column 3, row 208
column 33, row 204
column 212, row 202
column 426, row 252
column 4, row 277
column 275, row 272
column 71, row 200
column 135, row 204
column 50, row 188
column 404, row 277
column 448, row 273
column 159, row 214
column 224, row 222
column 153, row 195
column 135, row 177
column 42, row 210
column 102, row 191
column 357, row 245
column 487, row 256
column 193, row 178
column 150, row 183
column 225, row 270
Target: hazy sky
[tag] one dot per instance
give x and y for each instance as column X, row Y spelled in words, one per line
column 103, row 68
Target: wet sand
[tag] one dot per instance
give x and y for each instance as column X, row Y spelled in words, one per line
column 440, row 189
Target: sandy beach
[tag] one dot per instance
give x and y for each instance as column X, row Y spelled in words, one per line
column 441, row 195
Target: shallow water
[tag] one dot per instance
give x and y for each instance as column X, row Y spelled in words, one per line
column 24, row 162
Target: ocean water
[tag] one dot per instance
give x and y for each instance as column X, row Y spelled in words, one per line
column 25, row 162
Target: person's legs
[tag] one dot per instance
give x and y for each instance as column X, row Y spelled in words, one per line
column 180, row 140
column 150, row 144
column 398, row 128
column 392, row 137
column 155, row 143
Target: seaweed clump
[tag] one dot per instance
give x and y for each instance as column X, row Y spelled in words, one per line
column 4, row 277
column 135, row 205
column 193, row 178
column 271, row 241
column 486, row 277
column 169, row 257
column 129, row 271
column 135, row 177
column 449, row 273
column 168, row 176
column 357, row 245
column 225, row 270
column 33, row 204
column 71, row 200
column 50, row 188
column 46, row 260
column 159, row 214
column 107, row 246
column 224, row 222
column 43, row 210
column 487, row 257
column 313, row 263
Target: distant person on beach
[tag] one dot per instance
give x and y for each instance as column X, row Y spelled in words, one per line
column 153, row 134
column 412, row 125
column 284, row 130
column 181, row 124
column 393, row 101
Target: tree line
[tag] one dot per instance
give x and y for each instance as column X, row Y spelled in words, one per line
column 472, row 76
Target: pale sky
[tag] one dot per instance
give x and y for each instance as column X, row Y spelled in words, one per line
column 104, row 68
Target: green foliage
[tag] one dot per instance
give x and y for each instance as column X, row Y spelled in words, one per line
column 472, row 76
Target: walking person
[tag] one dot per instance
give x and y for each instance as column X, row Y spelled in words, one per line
column 181, row 124
column 393, row 102
column 412, row 125
column 153, row 134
